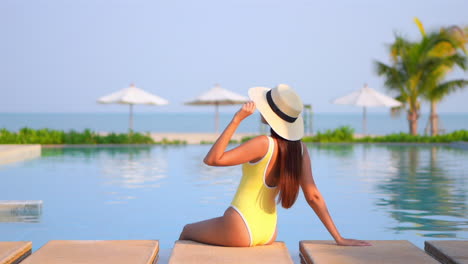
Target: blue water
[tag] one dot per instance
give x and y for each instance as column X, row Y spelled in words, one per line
column 415, row 193
column 377, row 123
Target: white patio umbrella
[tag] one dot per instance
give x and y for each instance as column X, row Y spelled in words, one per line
column 367, row 97
column 218, row 96
column 131, row 96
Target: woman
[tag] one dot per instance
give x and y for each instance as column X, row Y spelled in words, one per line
column 272, row 167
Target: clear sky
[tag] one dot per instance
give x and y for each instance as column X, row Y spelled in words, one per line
column 61, row 55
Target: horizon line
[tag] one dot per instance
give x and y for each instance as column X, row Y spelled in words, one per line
column 208, row 112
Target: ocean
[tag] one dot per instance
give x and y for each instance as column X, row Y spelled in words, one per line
column 203, row 122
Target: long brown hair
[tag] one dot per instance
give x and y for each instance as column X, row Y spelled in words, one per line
column 290, row 169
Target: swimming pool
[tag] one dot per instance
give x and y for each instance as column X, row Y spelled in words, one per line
column 372, row 191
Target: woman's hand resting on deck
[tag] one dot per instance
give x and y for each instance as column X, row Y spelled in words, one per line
column 352, row 242
column 246, row 110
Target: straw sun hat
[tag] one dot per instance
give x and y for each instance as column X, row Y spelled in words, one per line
column 281, row 107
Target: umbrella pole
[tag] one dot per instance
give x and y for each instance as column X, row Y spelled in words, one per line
column 216, row 117
column 364, row 121
column 130, row 120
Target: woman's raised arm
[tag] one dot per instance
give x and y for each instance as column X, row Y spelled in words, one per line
column 315, row 199
column 250, row 150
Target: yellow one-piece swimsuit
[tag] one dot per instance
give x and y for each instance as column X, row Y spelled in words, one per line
column 255, row 200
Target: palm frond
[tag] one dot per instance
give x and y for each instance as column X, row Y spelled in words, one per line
column 420, row 26
column 399, row 47
column 396, row 111
column 459, row 36
column 445, row 88
column 393, row 77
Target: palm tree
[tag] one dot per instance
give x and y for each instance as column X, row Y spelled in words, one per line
column 410, row 72
column 438, row 91
column 438, row 88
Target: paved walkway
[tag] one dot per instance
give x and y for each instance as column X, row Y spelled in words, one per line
column 15, row 153
column 196, row 138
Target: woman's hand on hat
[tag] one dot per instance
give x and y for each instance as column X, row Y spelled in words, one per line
column 246, row 110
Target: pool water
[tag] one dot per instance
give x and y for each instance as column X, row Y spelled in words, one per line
column 375, row 191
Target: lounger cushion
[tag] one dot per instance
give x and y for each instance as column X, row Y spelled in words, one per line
column 187, row 252
column 14, row 252
column 96, row 251
column 381, row 252
column 448, row 251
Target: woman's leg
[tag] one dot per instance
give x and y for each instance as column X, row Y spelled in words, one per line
column 227, row 230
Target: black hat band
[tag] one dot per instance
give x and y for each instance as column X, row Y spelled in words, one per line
column 277, row 111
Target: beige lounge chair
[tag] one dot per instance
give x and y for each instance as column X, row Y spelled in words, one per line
column 187, row 252
column 14, row 252
column 448, row 251
column 381, row 252
column 90, row 252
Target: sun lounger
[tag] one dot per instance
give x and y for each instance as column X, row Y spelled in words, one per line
column 90, row 252
column 381, row 252
column 448, row 251
column 187, row 252
column 14, row 252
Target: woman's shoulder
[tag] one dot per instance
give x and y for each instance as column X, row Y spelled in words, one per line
column 262, row 139
column 261, row 142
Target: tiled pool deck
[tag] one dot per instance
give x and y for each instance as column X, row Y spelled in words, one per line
column 14, row 153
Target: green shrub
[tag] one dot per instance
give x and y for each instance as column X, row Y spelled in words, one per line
column 48, row 136
column 345, row 134
column 458, row 135
column 166, row 141
column 341, row 134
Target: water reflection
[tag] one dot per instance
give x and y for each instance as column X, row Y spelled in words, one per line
column 217, row 175
column 203, row 175
column 423, row 195
column 135, row 169
column 93, row 151
column 216, row 184
column 343, row 150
